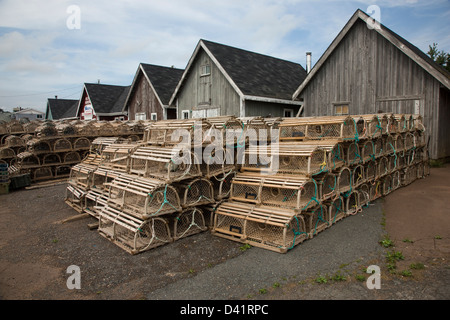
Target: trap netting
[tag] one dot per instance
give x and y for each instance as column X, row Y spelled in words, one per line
column 95, row 201
column 26, row 160
column 328, row 185
column 336, row 208
column 278, row 230
column 72, row 157
column 216, row 160
column 15, row 127
column 188, row 222
column 62, row 145
column 222, row 185
column 51, row 159
column 42, row 173
column 195, row 192
column 130, row 233
column 286, row 158
column 166, row 163
column 81, row 143
column 38, row 146
column 47, row 129
column 280, row 191
column 66, row 129
column 143, row 197
column 316, row 219
column 13, row 141
column 7, row 153
column 257, row 130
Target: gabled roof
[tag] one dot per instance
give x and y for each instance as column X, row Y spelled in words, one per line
column 163, row 81
column 29, row 111
column 417, row 55
column 61, row 108
column 106, row 99
column 251, row 74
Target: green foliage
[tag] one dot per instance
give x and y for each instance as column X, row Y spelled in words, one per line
column 441, row 57
column 417, row 266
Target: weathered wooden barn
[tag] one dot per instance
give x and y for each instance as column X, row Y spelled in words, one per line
column 369, row 68
column 150, row 93
column 61, row 109
column 102, row 102
column 223, row 80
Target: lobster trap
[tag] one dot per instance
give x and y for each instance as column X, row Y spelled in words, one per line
column 72, row 157
column 95, row 201
column 336, row 209
column 188, row 222
column 62, row 145
column 81, row 175
column 38, row 146
column 261, row 226
column 165, row 163
column 286, row 158
column 333, row 127
column 143, row 198
column 81, row 143
column 117, row 156
column 12, row 141
column 132, row 234
column 75, row 197
column 280, row 191
column 217, row 160
column 317, row 219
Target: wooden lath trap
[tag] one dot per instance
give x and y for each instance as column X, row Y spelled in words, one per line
column 261, row 226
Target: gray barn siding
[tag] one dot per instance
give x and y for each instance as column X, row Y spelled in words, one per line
column 371, row 74
column 223, row 95
column 143, row 99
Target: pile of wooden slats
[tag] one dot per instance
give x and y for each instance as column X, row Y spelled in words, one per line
column 47, row 150
column 319, row 171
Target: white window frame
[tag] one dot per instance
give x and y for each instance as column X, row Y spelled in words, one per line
column 154, row 116
column 140, row 116
column 183, row 113
column 205, row 70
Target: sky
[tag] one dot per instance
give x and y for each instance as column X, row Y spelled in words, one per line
column 51, row 48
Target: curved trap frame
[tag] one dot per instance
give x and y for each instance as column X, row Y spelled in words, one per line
column 143, row 198
column 188, row 222
column 387, row 185
column 375, row 189
column 383, row 166
column 259, row 226
column 13, row 141
column 165, row 163
column 371, row 171
column 81, row 175
column 37, row 146
column 364, row 195
column 51, row 159
column 72, row 157
column 367, row 149
column 46, row 130
column 336, row 209
column 7, row 153
column 353, row 154
column 344, row 179
column 317, row 219
column 195, row 192
column 408, row 175
column 222, row 185
column 328, row 185
column 62, row 145
column 132, row 234
column 352, row 205
column 42, row 173
column 409, row 140
column 358, row 175
column 66, row 129
column 81, row 143
column 14, row 127
column 373, row 126
column 26, row 160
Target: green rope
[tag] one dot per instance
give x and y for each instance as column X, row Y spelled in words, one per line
column 296, row 233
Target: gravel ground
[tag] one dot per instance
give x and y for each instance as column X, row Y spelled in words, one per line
column 36, row 249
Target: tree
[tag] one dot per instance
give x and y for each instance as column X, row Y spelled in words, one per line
column 441, row 57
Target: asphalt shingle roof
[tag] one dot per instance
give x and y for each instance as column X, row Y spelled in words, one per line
column 106, row 98
column 163, row 79
column 257, row 74
column 62, row 108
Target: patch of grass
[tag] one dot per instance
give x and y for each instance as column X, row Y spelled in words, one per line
column 55, row 240
column 408, row 240
column 339, row 277
column 191, row 271
column 245, row 247
column 321, row 279
column 394, row 256
column 417, row 266
column 437, row 237
column 276, row 285
column 406, row 273
column 263, row 291
column 387, row 242
column 360, row 277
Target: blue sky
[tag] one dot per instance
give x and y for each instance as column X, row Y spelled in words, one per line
column 40, row 56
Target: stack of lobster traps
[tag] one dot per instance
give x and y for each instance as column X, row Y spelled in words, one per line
column 319, row 171
column 154, row 191
column 47, row 150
